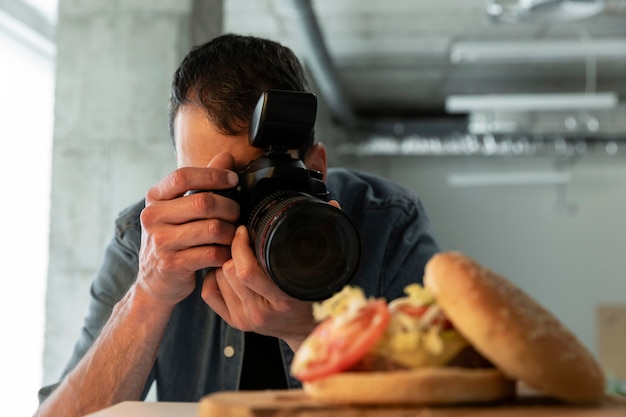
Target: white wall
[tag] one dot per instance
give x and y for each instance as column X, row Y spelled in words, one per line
column 26, row 118
column 571, row 262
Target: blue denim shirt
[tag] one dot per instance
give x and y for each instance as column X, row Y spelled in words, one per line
column 200, row 353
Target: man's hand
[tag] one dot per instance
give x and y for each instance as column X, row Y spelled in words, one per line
column 180, row 234
column 247, row 299
column 184, row 233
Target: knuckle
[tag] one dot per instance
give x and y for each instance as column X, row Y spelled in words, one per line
column 257, row 319
column 166, row 264
column 222, row 231
column 151, row 194
column 203, row 202
column 211, row 251
column 147, row 216
column 246, row 274
column 216, row 255
column 159, row 240
column 229, row 268
column 178, row 177
column 213, row 227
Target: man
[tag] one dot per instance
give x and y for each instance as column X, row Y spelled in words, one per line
column 180, row 298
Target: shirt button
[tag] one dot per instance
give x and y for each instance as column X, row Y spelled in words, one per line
column 229, row 351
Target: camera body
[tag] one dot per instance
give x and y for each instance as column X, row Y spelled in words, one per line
column 270, row 175
column 308, row 247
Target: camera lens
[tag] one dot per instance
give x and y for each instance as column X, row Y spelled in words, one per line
column 308, row 247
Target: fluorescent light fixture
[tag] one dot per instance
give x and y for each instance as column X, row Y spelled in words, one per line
column 531, row 102
column 508, row 178
column 537, row 11
column 524, row 51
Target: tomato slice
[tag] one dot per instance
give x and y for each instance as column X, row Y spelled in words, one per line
column 336, row 345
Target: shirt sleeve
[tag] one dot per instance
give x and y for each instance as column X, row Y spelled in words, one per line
column 116, row 274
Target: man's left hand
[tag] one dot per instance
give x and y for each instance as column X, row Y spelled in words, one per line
column 247, row 299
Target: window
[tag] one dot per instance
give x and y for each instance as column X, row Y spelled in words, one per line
column 27, row 114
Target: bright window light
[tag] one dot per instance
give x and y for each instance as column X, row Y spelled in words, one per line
column 27, row 112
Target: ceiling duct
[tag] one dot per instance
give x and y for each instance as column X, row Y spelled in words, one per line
column 484, row 145
column 321, row 64
column 483, row 132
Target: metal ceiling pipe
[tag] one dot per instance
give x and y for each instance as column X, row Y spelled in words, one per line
column 321, row 64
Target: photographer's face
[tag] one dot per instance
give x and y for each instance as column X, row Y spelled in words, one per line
column 198, row 141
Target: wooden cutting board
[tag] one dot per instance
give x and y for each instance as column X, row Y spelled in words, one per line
column 295, row 403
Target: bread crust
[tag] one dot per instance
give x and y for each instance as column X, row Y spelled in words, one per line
column 422, row 386
column 512, row 330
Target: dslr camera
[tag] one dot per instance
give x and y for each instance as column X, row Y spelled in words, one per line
column 309, row 248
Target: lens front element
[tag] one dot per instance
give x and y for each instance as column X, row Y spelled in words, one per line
column 308, row 247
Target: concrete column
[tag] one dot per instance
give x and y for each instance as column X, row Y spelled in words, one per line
column 114, row 65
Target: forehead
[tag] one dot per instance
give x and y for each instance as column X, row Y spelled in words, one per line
column 190, row 117
column 198, row 140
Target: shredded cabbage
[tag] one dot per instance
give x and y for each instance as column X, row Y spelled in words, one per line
column 344, row 303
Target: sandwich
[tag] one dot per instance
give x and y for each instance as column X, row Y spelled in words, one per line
column 468, row 336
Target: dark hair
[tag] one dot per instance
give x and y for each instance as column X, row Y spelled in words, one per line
column 227, row 75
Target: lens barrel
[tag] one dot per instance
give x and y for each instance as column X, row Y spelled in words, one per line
column 308, row 247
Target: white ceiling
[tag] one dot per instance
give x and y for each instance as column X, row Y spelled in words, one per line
column 393, row 56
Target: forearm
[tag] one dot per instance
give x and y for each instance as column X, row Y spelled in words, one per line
column 116, row 367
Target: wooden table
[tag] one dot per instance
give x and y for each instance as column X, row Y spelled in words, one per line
column 149, row 409
column 295, row 404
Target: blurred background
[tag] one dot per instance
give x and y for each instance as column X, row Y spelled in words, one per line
column 507, row 117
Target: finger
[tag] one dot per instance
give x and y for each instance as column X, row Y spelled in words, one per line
column 178, row 182
column 189, row 259
column 222, row 160
column 165, row 237
column 237, row 309
column 224, row 284
column 208, row 256
column 212, row 295
column 198, row 206
column 335, row 203
column 248, row 271
column 236, row 284
column 200, row 233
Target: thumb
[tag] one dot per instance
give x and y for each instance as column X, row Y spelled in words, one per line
column 335, row 203
column 222, row 160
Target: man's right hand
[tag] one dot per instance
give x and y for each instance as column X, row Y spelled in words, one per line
column 184, row 233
